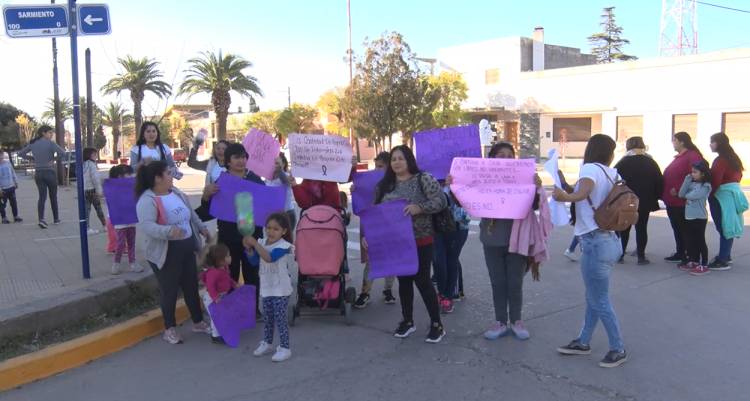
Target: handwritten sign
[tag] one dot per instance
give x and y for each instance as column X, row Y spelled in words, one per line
column 262, row 150
column 494, row 188
column 266, row 200
column 436, row 149
column 234, row 313
column 391, row 247
column 320, row 157
column 557, row 209
column 120, row 196
column 363, row 194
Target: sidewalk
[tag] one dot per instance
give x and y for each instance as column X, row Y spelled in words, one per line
column 41, row 269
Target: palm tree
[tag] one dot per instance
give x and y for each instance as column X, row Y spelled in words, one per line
column 218, row 75
column 116, row 117
column 66, row 110
column 140, row 76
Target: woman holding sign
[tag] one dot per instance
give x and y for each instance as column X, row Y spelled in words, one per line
column 213, row 166
column 171, row 228
column 601, row 249
column 403, row 180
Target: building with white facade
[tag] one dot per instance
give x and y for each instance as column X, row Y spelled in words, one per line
column 554, row 99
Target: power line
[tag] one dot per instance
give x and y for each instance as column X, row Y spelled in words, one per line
column 724, row 7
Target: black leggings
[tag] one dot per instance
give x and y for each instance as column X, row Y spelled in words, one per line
column 695, row 235
column 641, row 234
column 46, row 180
column 424, row 285
column 676, row 216
column 178, row 273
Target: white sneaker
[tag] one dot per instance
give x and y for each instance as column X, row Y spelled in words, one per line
column 136, row 268
column 282, row 354
column 571, row 255
column 262, row 349
column 92, row 231
column 171, row 336
column 115, row 269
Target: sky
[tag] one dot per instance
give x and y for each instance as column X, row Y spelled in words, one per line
column 301, row 45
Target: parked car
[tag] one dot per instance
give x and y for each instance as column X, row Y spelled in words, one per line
column 179, row 156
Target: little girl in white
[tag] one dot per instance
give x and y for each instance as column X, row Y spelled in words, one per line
column 276, row 255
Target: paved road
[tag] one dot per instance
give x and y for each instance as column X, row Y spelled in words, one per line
column 687, row 338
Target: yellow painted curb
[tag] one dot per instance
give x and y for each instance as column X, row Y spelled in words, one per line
column 70, row 354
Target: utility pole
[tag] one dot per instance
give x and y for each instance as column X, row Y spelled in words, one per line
column 59, row 128
column 89, row 103
column 352, row 140
column 289, row 97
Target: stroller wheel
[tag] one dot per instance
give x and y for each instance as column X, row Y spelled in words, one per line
column 350, row 296
column 291, row 314
column 348, row 314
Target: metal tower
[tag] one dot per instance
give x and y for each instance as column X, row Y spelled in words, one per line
column 679, row 28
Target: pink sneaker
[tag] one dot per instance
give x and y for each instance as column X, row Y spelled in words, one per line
column 202, row 327
column 699, row 270
column 446, row 305
column 497, row 330
column 520, row 330
column 686, row 267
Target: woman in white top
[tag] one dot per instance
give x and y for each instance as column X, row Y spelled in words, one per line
column 601, row 249
column 149, row 148
column 282, row 178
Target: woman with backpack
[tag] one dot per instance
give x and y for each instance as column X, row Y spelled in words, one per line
column 644, row 177
column 601, row 249
column 727, row 202
column 404, row 180
column 687, row 155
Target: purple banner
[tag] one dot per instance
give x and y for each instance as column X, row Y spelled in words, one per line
column 437, row 148
column 363, row 195
column 120, row 196
column 266, row 200
column 391, row 247
column 234, row 313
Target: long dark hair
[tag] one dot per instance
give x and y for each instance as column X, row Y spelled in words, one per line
column 702, row 166
column 600, row 149
column 88, row 152
column 283, row 220
column 687, row 142
column 146, row 176
column 726, row 152
column 495, row 149
column 40, row 132
column 388, row 183
column 142, row 139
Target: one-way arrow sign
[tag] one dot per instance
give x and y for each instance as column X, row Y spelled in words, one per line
column 93, row 19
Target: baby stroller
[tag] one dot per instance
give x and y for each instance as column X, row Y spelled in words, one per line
column 320, row 244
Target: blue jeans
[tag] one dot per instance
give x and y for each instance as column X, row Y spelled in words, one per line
column 573, row 244
column 725, row 244
column 601, row 249
column 445, row 260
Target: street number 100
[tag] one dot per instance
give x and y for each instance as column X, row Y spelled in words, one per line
column 13, row 27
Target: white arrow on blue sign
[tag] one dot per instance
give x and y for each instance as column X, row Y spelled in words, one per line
column 93, row 19
column 36, row 20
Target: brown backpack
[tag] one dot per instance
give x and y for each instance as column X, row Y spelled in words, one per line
column 619, row 210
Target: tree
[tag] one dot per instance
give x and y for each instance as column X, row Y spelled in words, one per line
column 299, row 118
column 387, row 94
column 139, row 76
column 219, row 75
column 264, row 121
column 100, row 141
column 330, row 103
column 451, row 91
column 10, row 133
column 97, row 118
column 607, row 45
column 66, row 110
column 179, row 128
column 26, row 125
column 116, row 117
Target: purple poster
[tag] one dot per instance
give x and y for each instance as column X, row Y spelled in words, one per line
column 363, row 195
column 120, row 196
column 391, row 247
column 234, row 313
column 266, row 200
column 437, row 148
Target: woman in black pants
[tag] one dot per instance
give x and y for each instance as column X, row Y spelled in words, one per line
column 45, row 153
column 403, row 180
column 643, row 176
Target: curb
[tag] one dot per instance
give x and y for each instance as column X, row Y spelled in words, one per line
column 58, row 358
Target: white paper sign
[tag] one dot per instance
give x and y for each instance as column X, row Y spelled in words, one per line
column 320, row 157
column 485, row 133
column 558, row 211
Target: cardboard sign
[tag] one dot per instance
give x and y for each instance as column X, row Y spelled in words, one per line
column 262, row 150
column 436, row 149
column 266, row 200
column 234, row 313
column 391, row 246
column 494, row 188
column 119, row 194
column 320, row 157
column 363, row 195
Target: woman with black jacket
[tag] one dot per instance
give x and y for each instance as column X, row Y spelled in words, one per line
column 643, row 176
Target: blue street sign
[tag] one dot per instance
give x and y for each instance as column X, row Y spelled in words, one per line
column 36, row 21
column 93, row 19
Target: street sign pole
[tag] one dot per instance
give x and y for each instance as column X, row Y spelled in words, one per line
column 79, row 149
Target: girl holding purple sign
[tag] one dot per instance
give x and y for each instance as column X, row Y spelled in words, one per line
column 171, row 228
column 124, row 233
column 404, row 180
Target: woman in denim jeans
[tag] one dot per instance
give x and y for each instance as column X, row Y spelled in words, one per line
column 601, row 249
